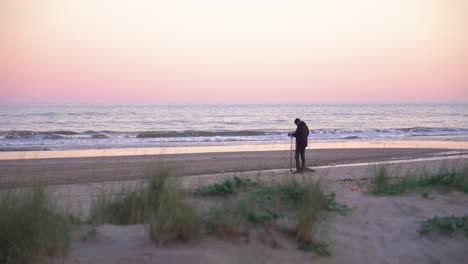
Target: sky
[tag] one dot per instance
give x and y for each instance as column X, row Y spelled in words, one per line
column 224, row 51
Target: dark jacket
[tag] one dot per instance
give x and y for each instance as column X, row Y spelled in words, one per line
column 301, row 135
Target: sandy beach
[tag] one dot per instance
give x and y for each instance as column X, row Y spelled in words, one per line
column 377, row 230
column 71, row 169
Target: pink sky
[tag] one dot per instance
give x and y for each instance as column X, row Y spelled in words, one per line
column 149, row 51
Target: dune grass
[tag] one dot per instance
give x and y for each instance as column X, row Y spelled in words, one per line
column 381, row 180
column 260, row 206
column 126, row 209
column 161, row 204
column 383, row 184
column 131, row 206
column 227, row 187
column 230, row 219
column 445, row 225
column 245, row 205
column 173, row 218
column 311, row 203
column 30, row 226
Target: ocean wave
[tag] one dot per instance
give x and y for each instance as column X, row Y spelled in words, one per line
column 29, row 134
column 47, row 114
column 87, row 114
column 235, row 135
column 352, row 137
column 409, row 131
column 199, row 133
column 63, row 132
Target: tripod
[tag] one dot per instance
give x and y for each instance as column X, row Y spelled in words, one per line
column 291, row 156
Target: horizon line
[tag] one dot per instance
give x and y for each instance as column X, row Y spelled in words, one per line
column 236, row 103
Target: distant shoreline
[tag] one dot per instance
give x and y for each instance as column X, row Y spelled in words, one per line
column 460, row 143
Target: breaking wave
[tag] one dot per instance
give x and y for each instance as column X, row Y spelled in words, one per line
column 231, row 135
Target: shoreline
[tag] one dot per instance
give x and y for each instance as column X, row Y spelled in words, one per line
column 428, row 143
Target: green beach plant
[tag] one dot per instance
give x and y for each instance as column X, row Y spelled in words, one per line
column 30, row 225
column 131, row 206
column 305, row 201
column 320, row 248
column 161, row 203
column 383, row 184
column 174, row 218
column 227, row 187
column 230, row 219
column 445, row 225
column 164, row 205
column 310, row 204
column 381, row 179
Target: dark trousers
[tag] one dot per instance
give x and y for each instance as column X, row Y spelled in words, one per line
column 300, row 150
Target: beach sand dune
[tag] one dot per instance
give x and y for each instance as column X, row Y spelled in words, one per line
column 376, row 230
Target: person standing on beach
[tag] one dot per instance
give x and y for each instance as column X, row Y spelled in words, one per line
column 301, row 135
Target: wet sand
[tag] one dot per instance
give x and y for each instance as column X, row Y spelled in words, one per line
column 113, row 168
column 454, row 143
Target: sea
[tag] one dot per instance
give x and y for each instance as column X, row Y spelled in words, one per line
column 104, row 126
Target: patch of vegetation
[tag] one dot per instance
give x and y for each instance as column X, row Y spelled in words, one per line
column 311, row 203
column 381, row 181
column 320, row 248
column 446, row 225
column 164, row 206
column 263, row 217
column 294, row 191
column 131, row 206
column 30, row 227
column 383, row 184
column 333, row 206
column 174, row 218
column 227, row 187
column 126, row 209
column 306, row 200
column 231, row 219
column 262, row 205
column 161, row 203
column 291, row 194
